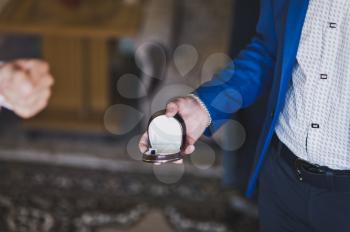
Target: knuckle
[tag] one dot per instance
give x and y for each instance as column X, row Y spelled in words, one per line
column 51, row 80
column 17, row 74
column 44, row 65
column 182, row 104
column 180, row 101
column 171, row 104
column 45, row 80
column 25, row 114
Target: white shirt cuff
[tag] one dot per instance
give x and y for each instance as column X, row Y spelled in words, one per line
column 4, row 104
column 201, row 103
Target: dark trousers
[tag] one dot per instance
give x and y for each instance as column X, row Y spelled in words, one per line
column 286, row 204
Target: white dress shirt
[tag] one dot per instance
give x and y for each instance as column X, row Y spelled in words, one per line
column 315, row 121
column 4, row 104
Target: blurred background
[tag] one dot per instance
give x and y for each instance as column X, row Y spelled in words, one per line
column 76, row 166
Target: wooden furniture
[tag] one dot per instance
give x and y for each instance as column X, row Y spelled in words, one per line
column 75, row 43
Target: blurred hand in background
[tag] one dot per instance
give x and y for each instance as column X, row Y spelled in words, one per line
column 25, row 86
column 195, row 117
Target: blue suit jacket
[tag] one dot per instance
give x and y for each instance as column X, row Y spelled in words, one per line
column 267, row 61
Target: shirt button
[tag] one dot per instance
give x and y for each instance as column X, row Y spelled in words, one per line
column 332, row 25
column 324, row 76
column 315, row 125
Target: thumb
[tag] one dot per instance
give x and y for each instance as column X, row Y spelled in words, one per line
column 189, row 149
column 171, row 109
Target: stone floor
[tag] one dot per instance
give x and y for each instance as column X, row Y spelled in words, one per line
column 147, row 224
column 42, row 198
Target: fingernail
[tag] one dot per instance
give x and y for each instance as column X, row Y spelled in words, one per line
column 190, row 149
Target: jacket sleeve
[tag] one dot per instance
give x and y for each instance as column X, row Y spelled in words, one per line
column 239, row 85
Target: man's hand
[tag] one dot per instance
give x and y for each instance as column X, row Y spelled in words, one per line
column 25, row 86
column 195, row 117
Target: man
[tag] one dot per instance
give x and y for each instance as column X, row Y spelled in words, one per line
column 25, row 86
column 301, row 49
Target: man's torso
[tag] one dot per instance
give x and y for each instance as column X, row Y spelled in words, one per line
column 315, row 122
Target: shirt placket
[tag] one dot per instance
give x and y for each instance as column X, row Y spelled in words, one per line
column 322, row 80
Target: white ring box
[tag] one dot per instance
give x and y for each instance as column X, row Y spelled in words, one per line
column 166, row 139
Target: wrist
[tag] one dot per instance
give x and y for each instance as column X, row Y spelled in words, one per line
column 203, row 107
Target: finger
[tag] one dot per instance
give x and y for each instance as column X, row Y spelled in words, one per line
column 34, row 99
column 143, row 143
column 41, row 105
column 190, row 140
column 21, row 88
column 171, row 109
column 21, row 82
column 34, row 111
column 189, row 149
column 35, row 68
column 42, row 99
column 32, row 105
column 44, row 82
column 35, row 65
column 6, row 74
column 17, row 87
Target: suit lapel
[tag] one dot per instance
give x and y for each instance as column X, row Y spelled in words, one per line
column 296, row 14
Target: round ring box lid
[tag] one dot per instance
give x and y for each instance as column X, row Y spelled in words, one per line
column 166, row 138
